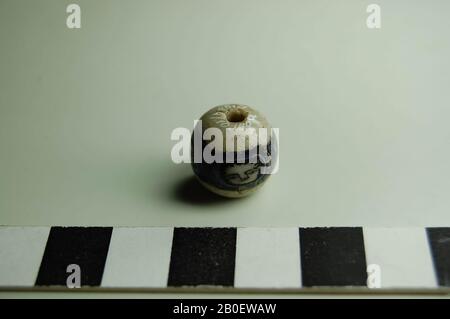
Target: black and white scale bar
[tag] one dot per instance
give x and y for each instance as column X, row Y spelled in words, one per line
column 202, row 256
column 333, row 257
column 267, row 258
column 86, row 247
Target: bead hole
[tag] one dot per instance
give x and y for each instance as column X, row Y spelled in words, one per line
column 237, row 115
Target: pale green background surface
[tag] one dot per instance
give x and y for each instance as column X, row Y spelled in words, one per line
column 86, row 115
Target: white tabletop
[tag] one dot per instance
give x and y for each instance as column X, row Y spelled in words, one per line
column 86, row 114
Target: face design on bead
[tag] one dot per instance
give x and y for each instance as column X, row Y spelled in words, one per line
column 240, row 174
